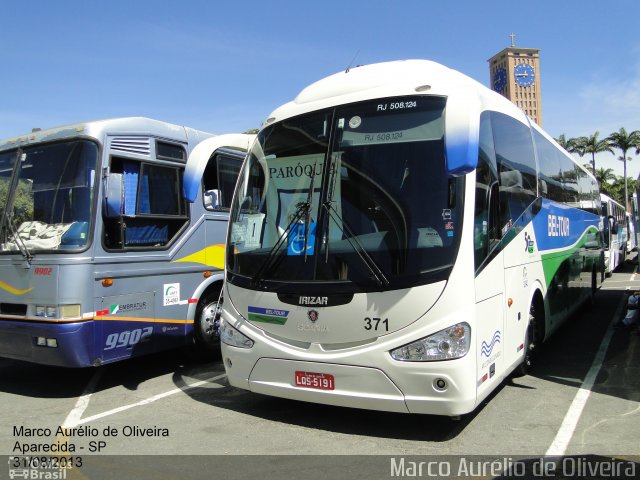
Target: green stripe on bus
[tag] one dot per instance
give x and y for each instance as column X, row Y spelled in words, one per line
column 256, row 317
column 551, row 261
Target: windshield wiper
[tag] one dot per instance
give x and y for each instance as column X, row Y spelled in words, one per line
column 17, row 239
column 302, row 208
column 6, row 225
column 369, row 262
column 346, row 230
column 307, row 221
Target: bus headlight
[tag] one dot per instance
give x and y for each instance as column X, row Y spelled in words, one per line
column 47, row 311
column 447, row 344
column 233, row 337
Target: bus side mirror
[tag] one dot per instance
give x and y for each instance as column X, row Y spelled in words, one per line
column 212, row 199
column 462, row 127
column 114, row 196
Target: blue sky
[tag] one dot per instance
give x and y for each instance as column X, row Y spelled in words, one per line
column 224, row 66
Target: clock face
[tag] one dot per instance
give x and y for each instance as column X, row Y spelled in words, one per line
column 500, row 80
column 524, row 74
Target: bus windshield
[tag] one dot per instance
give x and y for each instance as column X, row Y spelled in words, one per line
column 356, row 197
column 47, row 194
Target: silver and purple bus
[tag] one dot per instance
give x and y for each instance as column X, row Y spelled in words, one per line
column 101, row 256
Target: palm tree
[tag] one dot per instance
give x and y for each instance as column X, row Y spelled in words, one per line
column 625, row 142
column 564, row 143
column 577, row 145
column 607, row 181
column 605, row 176
column 592, row 145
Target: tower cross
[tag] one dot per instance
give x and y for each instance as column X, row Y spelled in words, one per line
column 513, row 39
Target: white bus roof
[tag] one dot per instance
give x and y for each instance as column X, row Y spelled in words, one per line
column 389, row 79
column 98, row 128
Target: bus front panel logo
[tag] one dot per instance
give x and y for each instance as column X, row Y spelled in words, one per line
column 305, row 300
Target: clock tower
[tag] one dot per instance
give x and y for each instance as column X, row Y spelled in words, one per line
column 515, row 73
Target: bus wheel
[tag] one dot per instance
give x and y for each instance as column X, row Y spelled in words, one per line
column 207, row 323
column 529, row 345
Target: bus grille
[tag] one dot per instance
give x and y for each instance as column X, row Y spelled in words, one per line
column 13, row 309
column 139, row 145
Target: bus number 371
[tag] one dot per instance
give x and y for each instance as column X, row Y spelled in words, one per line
column 376, row 324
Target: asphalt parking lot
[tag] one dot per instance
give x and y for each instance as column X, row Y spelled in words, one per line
column 168, row 416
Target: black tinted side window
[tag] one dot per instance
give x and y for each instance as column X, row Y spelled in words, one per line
column 219, row 181
column 486, row 222
column 153, row 210
column 516, row 165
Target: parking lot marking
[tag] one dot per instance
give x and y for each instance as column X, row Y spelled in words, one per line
column 83, row 401
column 147, row 401
column 563, row 437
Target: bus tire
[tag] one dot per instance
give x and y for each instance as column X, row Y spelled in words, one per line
column 206, row 331
column 530, row 344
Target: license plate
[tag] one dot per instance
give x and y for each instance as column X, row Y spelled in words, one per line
column 319, row 381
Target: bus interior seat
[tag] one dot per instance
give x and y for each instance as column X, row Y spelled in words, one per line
column 544, row 190
column 140, row 231
column 511, row 181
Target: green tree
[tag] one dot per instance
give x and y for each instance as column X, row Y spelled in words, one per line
column 564, row 143
column 593, row 145
column 578, row 145
column 616, row 188
column 625, row 142
column 610, row 183
column 605, row 176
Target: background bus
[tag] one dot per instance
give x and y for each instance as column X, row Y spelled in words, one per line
column 615, row 233
column 400, row 239
column 635, row 222
column 632, row 239
column 101, row 257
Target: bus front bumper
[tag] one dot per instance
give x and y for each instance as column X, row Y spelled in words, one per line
column 391, row 386
column 64, row 344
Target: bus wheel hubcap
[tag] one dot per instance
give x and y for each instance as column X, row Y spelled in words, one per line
column 210, row 321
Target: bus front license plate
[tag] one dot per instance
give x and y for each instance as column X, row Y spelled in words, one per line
column 319, row 381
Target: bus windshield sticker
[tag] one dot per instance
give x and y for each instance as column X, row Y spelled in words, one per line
column 428, row 238
column 355, row 122
column 238, row 232
column 296, row 240
column 253, row 230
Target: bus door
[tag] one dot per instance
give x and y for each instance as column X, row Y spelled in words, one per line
column 489, row 269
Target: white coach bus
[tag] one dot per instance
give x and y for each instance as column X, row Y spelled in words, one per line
column 400, row 239
column 615, row 233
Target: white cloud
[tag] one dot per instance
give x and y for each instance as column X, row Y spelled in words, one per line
column 614, row 94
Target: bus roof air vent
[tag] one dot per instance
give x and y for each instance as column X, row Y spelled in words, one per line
column 138, row 145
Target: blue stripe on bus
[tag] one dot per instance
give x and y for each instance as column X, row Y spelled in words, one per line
column 561, row 226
